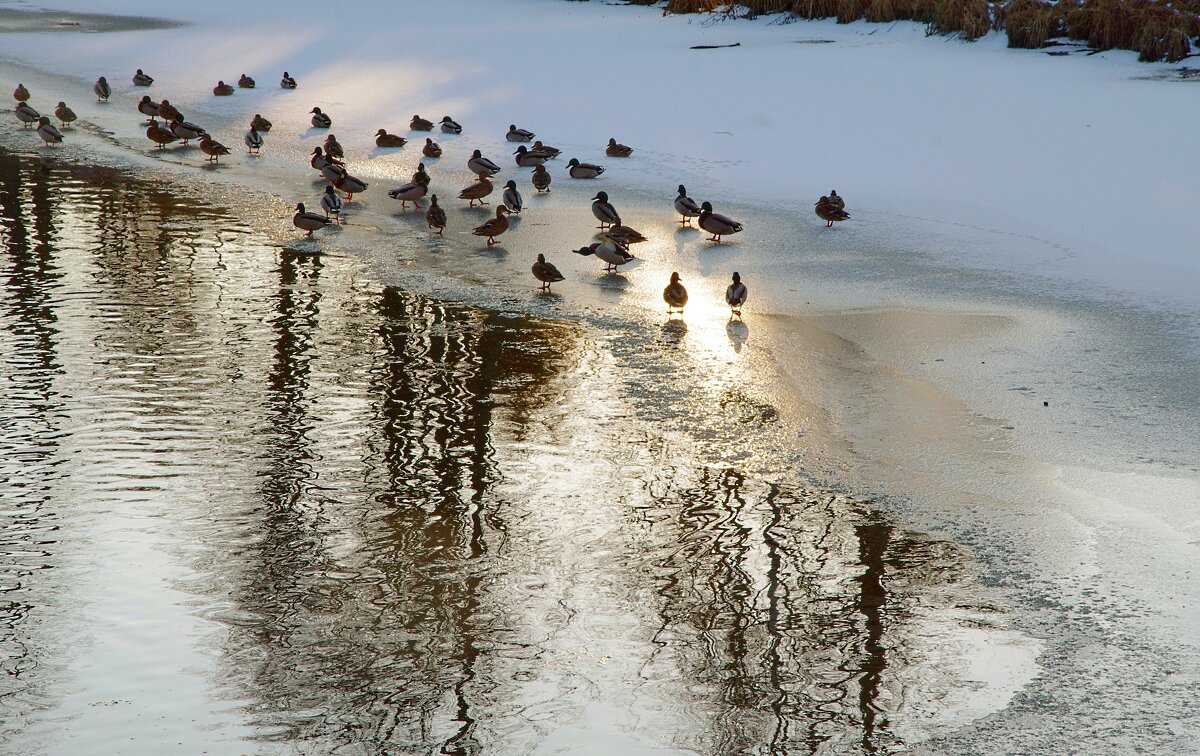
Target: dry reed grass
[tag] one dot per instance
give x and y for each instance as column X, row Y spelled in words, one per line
column 1155, row 29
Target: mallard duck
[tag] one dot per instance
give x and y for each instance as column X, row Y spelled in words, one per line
column 604, row 211
column 494, row 226
column 609, row 250
column 351, row 186
column 835, row 200
column 675, row 295
column 333, row 148
column 287, row 82
column 583, row 170
column 617, row 150
column 102, row 90
column 168, row 112
column 212, row 148
column 331, row 203
column 717, row 225
column 481, row 166
column 431, row 149
column 518, row 135
column 476, row 192
column 435, row 216
column 148, row 107
column 306, row 221
column 512, row 198
column 333, row 171
column 142, row 80
column 541, row 179
column 26, row 114
column 410, row 192
column 253, row 140
column 65, row 115
column 21, row 94
column 222, row 89
column 159, row 135
column 450, row 126
column 245, row 82
column 320, row 120
column 420, row 124
column 420, row 176
column 829, row 212
column 736, row 295
column 386, row 140
column 547, row 150
column 185, row 130
column 686, row 206
column 546, row 273
column 260, row 124
column 625, row 235
column 528, row 158
column 47, row 132
column 318, row 160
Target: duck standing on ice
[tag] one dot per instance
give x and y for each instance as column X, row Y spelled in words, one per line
column 675, row 295
column 306, row 221
column 512, row 198
column 541, row 179
column 604, row 211
column 717, row 225
column 686, row 206
column 320, row 120
column 546, row 273
column 435, row 216
column 26, row 114
column 253, row 140
column 736, row 295
column 494, row 226
column 47, row 132
column 609, row 250
column 831, row 209
column 65, row 115
column 580, row 170
column 331, row 203
column 102, row 90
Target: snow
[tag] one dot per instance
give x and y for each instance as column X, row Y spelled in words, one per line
column 1081, row 154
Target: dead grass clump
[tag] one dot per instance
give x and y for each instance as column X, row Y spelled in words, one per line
column 815, row 8
column 1162, row 41
column 969, row 19
column 1155, row 29
column 850, row 11
column 1029, row 23
column 690, row 6
column 886, row 11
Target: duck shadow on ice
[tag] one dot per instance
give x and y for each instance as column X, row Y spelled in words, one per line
column 612, row 281
column 738, row 332
column 674, row 330
column 497, row 252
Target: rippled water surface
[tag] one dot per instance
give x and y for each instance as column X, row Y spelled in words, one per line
column 255, row 501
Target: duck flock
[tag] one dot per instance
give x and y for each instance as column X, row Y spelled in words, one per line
column 615, row 238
